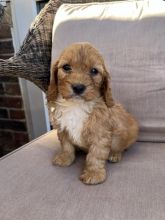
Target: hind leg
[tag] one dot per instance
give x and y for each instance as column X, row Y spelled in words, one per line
column 115, row 157
column 117, row 147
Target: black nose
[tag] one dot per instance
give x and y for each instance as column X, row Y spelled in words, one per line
column 78, row 88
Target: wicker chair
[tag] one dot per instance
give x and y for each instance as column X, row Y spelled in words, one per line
column 32, row 61
column 31, row 188
column 1, row 13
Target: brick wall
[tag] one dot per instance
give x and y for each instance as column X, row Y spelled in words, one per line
column 13, row 129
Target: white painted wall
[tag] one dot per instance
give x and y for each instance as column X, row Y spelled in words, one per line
column 23, row 13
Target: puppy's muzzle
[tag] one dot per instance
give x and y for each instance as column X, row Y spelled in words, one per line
column 78, row 89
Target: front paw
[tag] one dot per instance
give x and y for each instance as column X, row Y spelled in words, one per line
column 63, row 159
column 93, row 176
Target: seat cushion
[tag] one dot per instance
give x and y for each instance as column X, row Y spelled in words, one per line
column 130, row 36
column 32, row 188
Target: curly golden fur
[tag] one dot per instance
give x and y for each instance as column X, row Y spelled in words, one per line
column 84, row 112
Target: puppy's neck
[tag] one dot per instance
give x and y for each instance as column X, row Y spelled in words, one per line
column 71, row 116
column 75, row 103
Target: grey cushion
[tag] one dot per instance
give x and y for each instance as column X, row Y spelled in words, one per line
column 130, row 36
column 31, row 188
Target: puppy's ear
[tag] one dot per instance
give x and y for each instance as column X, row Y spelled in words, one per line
column 53, row 86
column 106, row 90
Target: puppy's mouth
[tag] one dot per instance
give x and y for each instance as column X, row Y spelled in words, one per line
column 75, row 96
column 72, row 95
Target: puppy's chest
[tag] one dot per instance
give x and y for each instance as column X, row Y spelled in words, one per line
column 72, row 119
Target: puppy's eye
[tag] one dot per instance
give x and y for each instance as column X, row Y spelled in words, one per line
column 67, row 68
column 94, row 71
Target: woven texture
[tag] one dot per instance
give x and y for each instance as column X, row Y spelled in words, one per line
column 32, row 61
column 1, row 12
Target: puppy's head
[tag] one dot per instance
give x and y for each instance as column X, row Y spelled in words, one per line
column 80, row 73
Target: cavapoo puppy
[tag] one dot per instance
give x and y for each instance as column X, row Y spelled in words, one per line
column 84, row 113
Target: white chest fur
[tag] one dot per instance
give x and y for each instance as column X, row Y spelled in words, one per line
column 71, row 115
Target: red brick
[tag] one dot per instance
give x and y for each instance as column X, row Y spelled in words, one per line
column 5, row 135
column 1, row 89
column 4, row 113
column 11, row 102
column 5, row 31
column 6, row 56
column 12, row 89
column 21, row 138
column 17, row 114
column 6, row 46
column 8, row 79
column 12, row 125
column 7, row 143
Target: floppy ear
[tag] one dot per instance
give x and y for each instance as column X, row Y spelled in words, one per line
column 53, row 86
column 106, row 90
